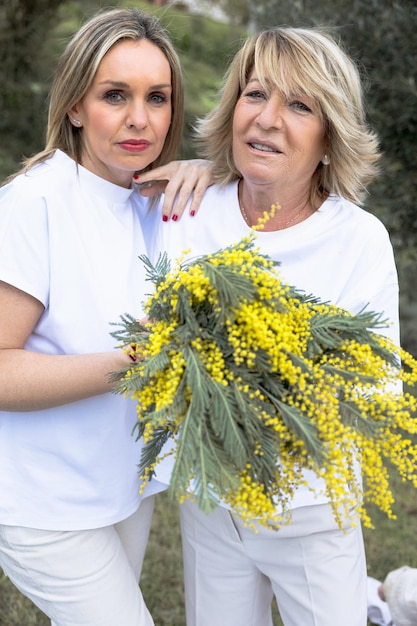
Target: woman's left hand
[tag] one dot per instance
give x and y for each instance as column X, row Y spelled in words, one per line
column 181, row 181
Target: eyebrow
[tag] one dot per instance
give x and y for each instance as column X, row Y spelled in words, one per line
column 122, row 85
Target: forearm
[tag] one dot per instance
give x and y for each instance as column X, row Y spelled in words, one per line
column 30, row 381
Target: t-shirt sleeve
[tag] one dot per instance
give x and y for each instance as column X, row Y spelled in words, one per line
column 375, row 286
column 24, row 244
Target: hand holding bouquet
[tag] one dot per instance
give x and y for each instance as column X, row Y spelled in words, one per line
column 254, row 381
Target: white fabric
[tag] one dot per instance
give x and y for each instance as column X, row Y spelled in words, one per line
column 316, row 572
column 400, row 591
column 71, row 240
column 341, row 254
column 82, row 578
column 378, row 610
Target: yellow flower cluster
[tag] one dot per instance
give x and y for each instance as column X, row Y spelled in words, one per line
column 251, row 502
column 256, row 382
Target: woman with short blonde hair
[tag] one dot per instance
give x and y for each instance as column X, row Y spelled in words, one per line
column 310, row 62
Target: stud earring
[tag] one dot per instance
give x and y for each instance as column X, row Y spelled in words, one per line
column 326, row 160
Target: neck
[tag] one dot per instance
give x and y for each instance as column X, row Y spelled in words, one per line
column 282, row 215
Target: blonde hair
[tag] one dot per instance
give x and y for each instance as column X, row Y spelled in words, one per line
column 300, row 61
column 76, row 70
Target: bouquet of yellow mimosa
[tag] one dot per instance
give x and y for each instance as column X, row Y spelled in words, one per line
column 253, row 381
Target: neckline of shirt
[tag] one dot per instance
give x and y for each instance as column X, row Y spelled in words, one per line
column 103, row 189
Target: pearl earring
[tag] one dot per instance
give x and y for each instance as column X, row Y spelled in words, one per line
column 75, row 121
column 326, row 160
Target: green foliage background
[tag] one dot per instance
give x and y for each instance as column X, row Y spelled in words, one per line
column 381, row 35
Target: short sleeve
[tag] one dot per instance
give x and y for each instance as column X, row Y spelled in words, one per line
column 24, row 244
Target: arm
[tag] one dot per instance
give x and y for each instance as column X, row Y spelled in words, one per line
column 31, row 381
column 181, row 181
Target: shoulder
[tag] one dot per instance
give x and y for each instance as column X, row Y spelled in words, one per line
column 42, row 181
column 215, row 224
column 218, row 203
column 216, row 194
column 349, row 217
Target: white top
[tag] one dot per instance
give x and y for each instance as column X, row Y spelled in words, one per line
column 341, row 254
column 71, row 240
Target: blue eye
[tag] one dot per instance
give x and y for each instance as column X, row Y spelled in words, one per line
column 301, row 106
column 157, row 98
column 113, row 96
column 255, row 94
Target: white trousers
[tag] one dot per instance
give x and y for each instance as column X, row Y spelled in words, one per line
column 82, row 578
column 316, row 571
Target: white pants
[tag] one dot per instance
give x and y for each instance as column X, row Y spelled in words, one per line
column 316, row 572
column 82, row 578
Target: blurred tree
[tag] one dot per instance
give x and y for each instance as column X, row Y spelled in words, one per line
column 239, row 11
column 22, row 30
column 26, row 63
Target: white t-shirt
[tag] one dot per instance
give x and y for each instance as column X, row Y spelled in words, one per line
column 341, row 254
column 71, row 240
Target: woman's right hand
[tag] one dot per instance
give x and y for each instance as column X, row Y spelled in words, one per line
column 181, row 181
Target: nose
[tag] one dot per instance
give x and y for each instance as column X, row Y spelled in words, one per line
column 271, row 114
column 137, row 115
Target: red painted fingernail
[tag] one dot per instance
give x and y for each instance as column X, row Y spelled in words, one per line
column 165, row 218
column 192, row 213
column 132, row 354
column 174, row 218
